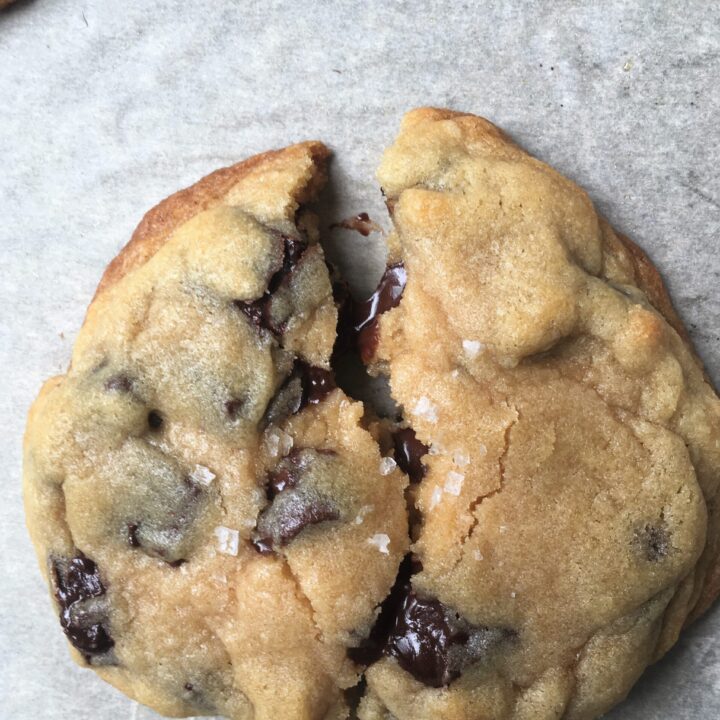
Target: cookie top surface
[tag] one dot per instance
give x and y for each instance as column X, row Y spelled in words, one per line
column 213, row 519
column 568, row 521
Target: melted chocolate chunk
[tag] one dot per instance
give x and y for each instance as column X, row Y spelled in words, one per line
column 259, row 311
column 387, row 296
column 360, row 223
column 306, row 385
column 371, row 649
column 408, row 453
column 434, row 644
column 654, row 541
column 428, row 640
column 420, row 640
column 119, row 383
column 83, row 615
column 295, row 499
column 155, row 420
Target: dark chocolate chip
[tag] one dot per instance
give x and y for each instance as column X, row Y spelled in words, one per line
column 434, row 644
column 420, row 640
column 188, row 687
column 428, row 640
column 371, row 649
column 259, row 311
column 354, row 695
column 290, row 514
column 317, row 384
column 408, row 454
column 286, row 401
column 155, row 420
column 163, row 528
column 295, row 502
column 387, row 296
column 294, row 248
column 306, row 385
column 83, row 615
column 279, row 480
column 233, row 407
column 119, row 383
column 654, row 541
column 263, row 546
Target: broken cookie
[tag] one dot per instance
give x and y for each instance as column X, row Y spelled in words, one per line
column 225, row 531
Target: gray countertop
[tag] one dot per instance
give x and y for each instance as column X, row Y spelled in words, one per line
column 108, row 106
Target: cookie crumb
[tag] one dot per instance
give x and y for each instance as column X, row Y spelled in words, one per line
column 478, row 555
column 435, row 498
column 387, row 465
column 513, row 594
column 460, row 458
column 453, row 483
column 425, row 409
column 503, row 529
column 381, row 542
column 228, row 540
column 202, row 475
column 472, row 348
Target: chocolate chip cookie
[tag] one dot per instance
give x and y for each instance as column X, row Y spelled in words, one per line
column 565, row 454
column 225, row 531
column 216, row 525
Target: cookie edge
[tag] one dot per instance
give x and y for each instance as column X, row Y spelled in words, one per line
column 159, row 222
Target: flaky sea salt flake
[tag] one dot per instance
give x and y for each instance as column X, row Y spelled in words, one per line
column 364, row 510
column 472, row 348
column 387, row 465
column 202, row 475
column 453, row 482
column 228, row 540
column 286, row 443
column 435, row 498
column 381, row 542
column 425, row 409
column 460, row 458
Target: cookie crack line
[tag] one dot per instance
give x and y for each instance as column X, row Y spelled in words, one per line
column 480, row 499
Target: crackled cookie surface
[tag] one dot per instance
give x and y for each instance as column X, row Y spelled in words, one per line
column 567, row 519
column 216, row 526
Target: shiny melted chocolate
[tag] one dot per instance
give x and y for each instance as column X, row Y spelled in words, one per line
column 386, row 296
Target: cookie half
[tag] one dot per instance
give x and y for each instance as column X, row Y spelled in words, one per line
column 215, row 524
column 567, row 505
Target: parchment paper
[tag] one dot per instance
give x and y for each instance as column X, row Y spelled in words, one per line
column 108, row 106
